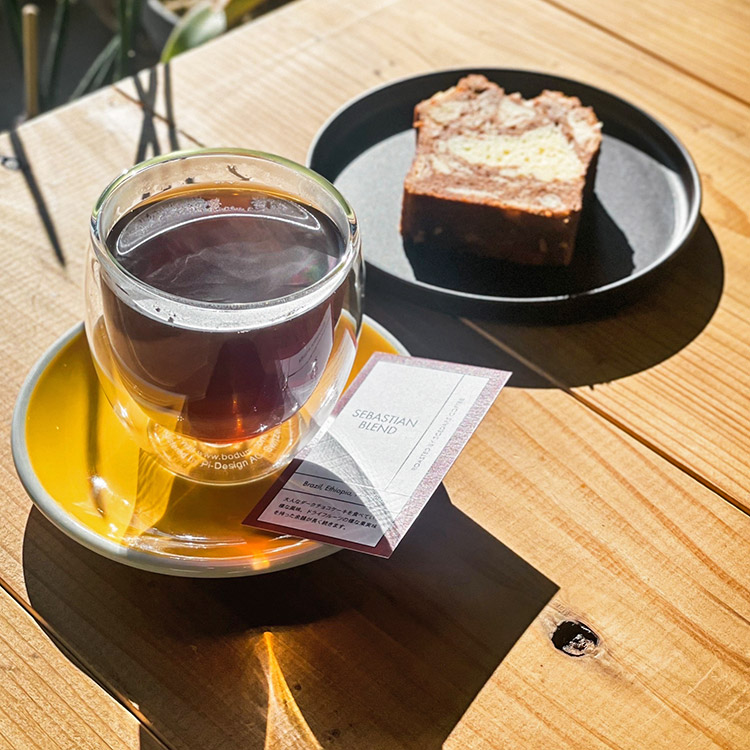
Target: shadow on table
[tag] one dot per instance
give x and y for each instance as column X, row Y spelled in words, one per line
column 148, row 142
column 662, row 320
column 595, row 264
column 20, row 162
column 351, row 650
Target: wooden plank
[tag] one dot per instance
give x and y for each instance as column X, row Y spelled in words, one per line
column 685, row 347
column 706, row 40
column 449, row 643
column 660, row 369
column 48, row 703
column 552, row 514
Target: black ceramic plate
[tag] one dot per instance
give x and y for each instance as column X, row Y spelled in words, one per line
column 646, row 208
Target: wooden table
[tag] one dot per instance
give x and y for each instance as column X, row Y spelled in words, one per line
column 607, row 486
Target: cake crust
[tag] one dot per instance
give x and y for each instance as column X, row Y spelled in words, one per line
column 500, row 176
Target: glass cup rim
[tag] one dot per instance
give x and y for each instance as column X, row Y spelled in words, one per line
column 117, row 272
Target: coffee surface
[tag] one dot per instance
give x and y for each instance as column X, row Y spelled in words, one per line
column 224, row 245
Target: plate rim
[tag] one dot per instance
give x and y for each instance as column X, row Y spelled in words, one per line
column 187, row 567
column 519, row 303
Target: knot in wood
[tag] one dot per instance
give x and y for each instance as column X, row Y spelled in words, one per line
column 574, row 638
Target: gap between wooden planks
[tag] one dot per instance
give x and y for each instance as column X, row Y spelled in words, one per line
column 581, row 398
column 706, row 41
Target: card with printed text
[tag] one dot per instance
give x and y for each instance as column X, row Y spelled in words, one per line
column 396, row 431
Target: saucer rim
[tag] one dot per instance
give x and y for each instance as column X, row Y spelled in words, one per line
column 185, row 566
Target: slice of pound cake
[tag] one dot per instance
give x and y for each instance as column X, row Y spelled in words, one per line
column 498, row 175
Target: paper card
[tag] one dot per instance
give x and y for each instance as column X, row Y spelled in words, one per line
column 395, row 433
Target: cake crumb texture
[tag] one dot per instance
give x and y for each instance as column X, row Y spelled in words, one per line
column 498, row 175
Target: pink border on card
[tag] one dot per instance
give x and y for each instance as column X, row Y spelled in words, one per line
column 496, row 379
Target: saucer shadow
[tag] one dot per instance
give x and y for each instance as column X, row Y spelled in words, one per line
column 372, row 653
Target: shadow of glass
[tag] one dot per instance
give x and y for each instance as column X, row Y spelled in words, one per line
column 426, row 332
column 147, row 741
column 375, row 653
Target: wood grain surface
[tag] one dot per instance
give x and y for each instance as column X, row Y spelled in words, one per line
column 708, row 41
column 554, row 514
column 47, row 703
column 449, row 642
column 551, row 515
column 682, row 349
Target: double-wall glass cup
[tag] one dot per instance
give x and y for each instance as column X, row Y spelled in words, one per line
column 223, row 306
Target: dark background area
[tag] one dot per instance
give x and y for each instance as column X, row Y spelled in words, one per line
column 87, row 35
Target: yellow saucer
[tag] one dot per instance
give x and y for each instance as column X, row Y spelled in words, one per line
column 90, row 479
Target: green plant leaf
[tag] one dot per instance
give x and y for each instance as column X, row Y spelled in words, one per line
column 13, row 14
column 51, row 69
column 104, row 61
column 124, row 13
column 201, row 24
column 236, row 10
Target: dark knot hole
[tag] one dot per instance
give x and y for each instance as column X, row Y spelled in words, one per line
column 574, row 638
